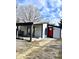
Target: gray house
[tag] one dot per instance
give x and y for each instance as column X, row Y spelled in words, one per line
column 41, row 30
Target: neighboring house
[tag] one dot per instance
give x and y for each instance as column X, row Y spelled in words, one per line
column 41, row 30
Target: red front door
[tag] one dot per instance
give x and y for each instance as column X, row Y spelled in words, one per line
column 50, row 31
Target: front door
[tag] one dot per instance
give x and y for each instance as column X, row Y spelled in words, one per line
column 50, row 31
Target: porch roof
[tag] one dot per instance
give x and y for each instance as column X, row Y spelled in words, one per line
column 24, row 24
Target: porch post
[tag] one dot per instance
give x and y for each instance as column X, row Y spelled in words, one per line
column 17, row 32
column 31, row 32
column 27, row 30
column 41, row 31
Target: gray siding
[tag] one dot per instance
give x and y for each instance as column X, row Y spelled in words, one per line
column 56, row 32
column 38, row 30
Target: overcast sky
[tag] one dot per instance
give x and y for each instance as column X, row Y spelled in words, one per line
column 51, row 10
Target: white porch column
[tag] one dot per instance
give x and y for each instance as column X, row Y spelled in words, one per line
column 44, row 28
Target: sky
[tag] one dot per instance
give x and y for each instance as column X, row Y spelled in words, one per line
column 50, row 10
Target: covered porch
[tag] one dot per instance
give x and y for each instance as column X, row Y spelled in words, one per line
column 19, row 33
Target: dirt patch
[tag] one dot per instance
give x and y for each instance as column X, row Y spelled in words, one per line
column 52, row 50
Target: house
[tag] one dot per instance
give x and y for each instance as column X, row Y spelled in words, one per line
column 41, row 30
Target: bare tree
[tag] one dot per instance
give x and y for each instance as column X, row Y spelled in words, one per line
column 27, row 14
column 60, row 24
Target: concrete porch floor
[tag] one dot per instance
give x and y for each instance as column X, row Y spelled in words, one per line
column 37, row 39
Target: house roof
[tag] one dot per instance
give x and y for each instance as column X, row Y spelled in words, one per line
column 41, row 23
